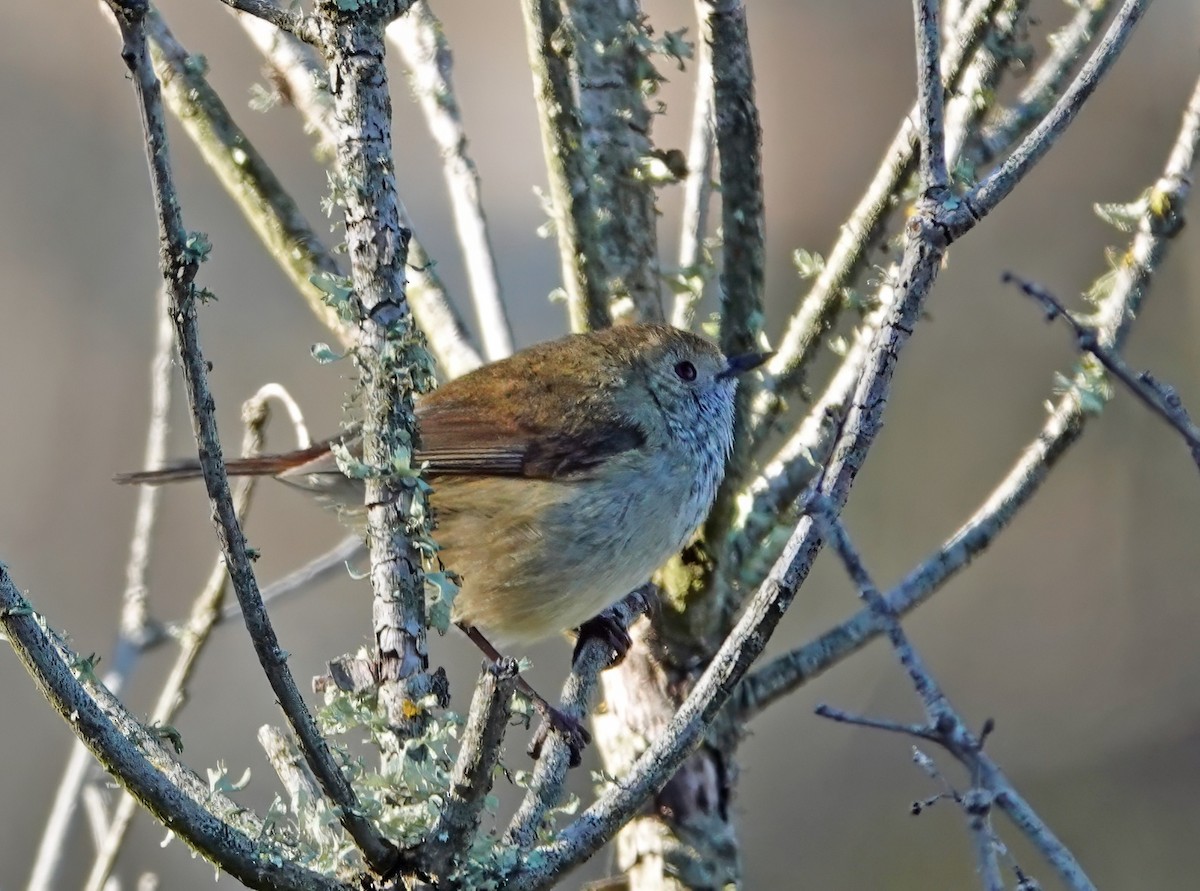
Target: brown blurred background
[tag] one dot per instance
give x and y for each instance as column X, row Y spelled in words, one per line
column 1077, row 632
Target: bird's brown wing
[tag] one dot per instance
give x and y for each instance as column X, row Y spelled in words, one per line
column 455, row 441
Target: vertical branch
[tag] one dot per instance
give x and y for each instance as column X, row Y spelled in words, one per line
column 419, row 37
column 931, row 99
column 390, row 353
column 296, row 64
column 607, row 38
column 697, row 188
column 572, row 207
column 739, row 144
column 179, row 258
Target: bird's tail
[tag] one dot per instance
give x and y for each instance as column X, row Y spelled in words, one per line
column 268, row 465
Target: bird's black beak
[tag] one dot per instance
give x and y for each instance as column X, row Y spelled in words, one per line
column 743, row 363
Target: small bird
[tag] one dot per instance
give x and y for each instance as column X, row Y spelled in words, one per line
column 563, row 476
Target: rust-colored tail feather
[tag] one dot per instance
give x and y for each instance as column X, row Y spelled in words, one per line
column 267, row 465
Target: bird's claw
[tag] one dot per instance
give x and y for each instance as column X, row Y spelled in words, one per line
column 607, row 629
column 572, row 732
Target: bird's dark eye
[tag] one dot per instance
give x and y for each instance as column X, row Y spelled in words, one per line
column 686, row 370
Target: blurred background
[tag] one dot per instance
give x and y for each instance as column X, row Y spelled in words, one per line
column 1077, row 632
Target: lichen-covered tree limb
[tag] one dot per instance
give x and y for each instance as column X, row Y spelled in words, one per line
column 267, row 206
column 390, row 352
column 573, row 212
column 491, row 708
column 608, row 45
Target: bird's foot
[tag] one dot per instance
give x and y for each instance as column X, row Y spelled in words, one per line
column 610, row 631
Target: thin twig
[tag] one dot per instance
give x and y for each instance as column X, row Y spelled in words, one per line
column 293, row 772
column 422, row 44
column 316, row 571
column 136, row 624
column 221, row 831
column 1066, row 46
column 292, row 20
column 697, row 188
column 1120, row 305
column 976, row 93
column 491, row 709
column 785, row 370
column 1159, row 398
column 998, row 184
column 573, row 212
column 944, row 725
column 180, row 257
column 247, row 177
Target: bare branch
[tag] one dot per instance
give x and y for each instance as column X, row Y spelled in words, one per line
column 945, row 726
column 291, row 20
column 137, row 628
column 1159, row 398
column 180, row 257
column 245, row 174
column 1047, row 81
column 546, row 785
column 206, row 613
column 307, row 88
column 491, row 709
column 423, row 45
column 930, row 99
column 785, row 370
column 976, row 92
column 1120, row 305
column 293, row 772
column 697, row 188
column 984, row 198
column 326, row 566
